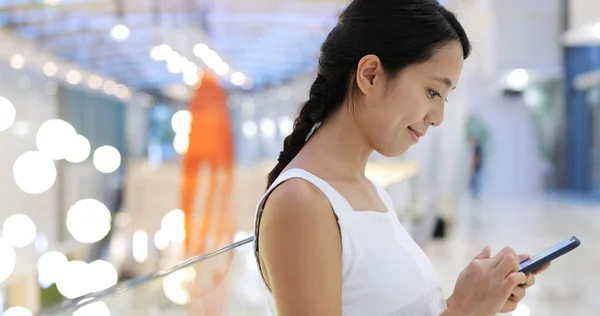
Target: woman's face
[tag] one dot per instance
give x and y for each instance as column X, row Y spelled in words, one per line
column 394, row 113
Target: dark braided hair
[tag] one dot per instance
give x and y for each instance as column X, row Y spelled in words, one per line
column 400, row 32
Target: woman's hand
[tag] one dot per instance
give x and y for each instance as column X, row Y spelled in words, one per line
column 485, row 286
column 519, row 292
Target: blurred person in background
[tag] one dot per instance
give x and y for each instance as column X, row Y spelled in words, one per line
column 476, row 166
column 477, row 134
column 328, row 239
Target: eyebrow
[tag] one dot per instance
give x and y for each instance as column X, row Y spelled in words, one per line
column 447, row 82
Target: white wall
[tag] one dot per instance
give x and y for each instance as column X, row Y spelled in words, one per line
column 583, row 13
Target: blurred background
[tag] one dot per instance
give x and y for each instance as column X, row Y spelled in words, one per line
column 135, row 134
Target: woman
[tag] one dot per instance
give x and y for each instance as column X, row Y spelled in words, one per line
column 328, row 241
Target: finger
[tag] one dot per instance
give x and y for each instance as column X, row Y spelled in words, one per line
column 523, row 257
column 485, row 253
column 530, row 282
column 512, row 281
column 518, row 293
column 503, row 253
column 508, row 264
column 542, row 269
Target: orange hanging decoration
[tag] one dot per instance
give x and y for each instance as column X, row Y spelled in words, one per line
column 211, row 225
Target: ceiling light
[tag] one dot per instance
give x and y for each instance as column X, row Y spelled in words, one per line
column 222, row 69
column 122, row 92
column 191, row 80
column 200, row 49
column 17, row 61
column 95, row 82
column 73, row 77
column 160, row 52
column 120, row 32
column 110, row 87
column 50, row 69
column 238, row 78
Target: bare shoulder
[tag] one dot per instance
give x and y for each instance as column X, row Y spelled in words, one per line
column 296, row 198
column 300, row 250
column 296, row 208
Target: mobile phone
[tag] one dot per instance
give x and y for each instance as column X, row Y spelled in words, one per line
column 534, row 263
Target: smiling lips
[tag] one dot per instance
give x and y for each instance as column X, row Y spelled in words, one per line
column 415, row 134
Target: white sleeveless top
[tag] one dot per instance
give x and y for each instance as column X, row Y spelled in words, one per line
column 384, row 272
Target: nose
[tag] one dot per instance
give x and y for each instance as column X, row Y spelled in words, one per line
column 435, row 117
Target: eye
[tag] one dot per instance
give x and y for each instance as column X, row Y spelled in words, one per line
column 434, row 94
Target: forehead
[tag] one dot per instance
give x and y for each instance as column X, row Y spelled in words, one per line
column 446, row 62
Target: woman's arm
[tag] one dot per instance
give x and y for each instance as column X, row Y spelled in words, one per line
column 301, row 251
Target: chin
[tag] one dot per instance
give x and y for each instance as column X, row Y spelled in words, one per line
column 393, row 151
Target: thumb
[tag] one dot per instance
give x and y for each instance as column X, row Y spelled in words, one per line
column 485, row 253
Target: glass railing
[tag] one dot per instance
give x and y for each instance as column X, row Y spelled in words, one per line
column 224, row 282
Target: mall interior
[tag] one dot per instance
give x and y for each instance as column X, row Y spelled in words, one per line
column 136, row 136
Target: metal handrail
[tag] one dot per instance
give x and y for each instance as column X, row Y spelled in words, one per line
column 128, row 285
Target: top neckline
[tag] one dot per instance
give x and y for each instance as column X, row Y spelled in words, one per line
column 354, row 211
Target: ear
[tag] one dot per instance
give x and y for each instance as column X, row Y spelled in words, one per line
column 369, row 73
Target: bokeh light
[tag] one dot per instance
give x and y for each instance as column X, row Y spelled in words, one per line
column 181, row 122
column 222, row 69
column 101, row 275
column 517, row 79
column 286, row 125
column 107, row 159
column 50, row 138
column 238, row 78
column 78, row 149
column 17, row 61
column 8, row 114
column 73, row 280
column 50, row 69
column 140, row 246
column 98, row 308
column 19, row 230
column 34, row 173
column 95, row 82
column 161, row 240
column 50, row 266
column 17, row 311
column 249, row 129
column 120, row 32
column 175, row 285
column 173, row 225
column 160, row 52
column 88, row 221
column 73, row 77
column 181, row 143
column 110, row 87
column 8, row 260
column 268, row 127
column 200, row 50
column 122, row 92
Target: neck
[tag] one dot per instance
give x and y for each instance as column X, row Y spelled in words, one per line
column 337, row 149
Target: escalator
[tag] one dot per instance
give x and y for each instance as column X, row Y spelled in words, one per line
column 223, row 282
